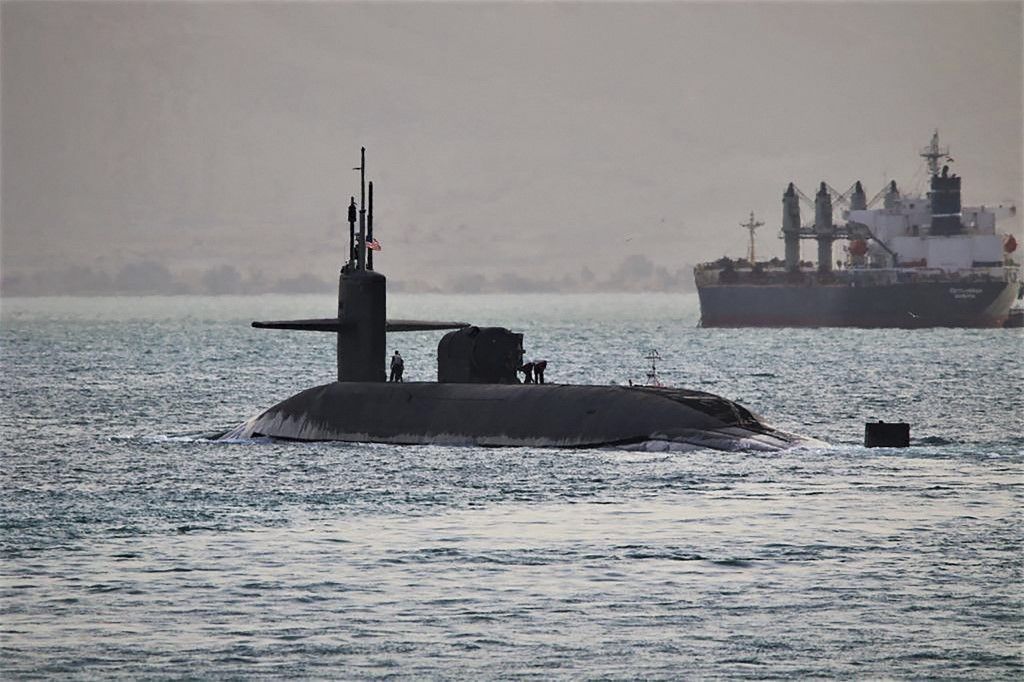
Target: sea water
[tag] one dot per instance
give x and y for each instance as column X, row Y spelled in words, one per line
column 134, row 546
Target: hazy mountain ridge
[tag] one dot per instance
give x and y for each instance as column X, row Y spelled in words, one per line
column 526, row 139
column 634, row 273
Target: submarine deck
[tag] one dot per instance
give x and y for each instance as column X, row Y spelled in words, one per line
column 547, row 415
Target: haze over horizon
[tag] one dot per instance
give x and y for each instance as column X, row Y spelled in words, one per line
column 534, row 142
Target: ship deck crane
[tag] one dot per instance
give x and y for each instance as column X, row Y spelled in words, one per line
column 879, row 196
column 838, row 198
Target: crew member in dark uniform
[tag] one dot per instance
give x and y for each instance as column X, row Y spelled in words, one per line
column 527, row 370
column 397, row 367
column 538, row 370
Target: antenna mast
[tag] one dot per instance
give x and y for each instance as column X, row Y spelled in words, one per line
column 652, row 375
column 933, row 152
column 752, row 225
column 361, row 245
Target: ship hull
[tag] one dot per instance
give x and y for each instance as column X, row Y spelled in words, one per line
column 503, row 415
column 904, row 305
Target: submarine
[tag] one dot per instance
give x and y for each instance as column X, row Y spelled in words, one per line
column 478, row 399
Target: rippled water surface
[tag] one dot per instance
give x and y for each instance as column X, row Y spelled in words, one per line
column 134, row 547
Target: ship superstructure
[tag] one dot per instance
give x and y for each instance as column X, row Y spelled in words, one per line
column 910, row 261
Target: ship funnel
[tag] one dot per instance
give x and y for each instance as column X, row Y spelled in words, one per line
column 858, row 200
column 823, row 228
column 791, row 227
column 945, row 201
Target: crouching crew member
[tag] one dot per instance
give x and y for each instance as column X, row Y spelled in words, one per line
column 527, row 370
column 538, row 370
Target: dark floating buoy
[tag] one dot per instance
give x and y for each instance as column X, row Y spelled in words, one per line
column 886, row 435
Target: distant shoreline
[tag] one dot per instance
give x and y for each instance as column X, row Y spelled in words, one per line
column 402, row 292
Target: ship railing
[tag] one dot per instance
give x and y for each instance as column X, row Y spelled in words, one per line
column 708, row 276
column 929, row 275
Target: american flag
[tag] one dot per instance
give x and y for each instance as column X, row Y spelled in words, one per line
column 373, row 245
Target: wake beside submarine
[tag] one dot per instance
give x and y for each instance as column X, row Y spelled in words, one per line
column 477, row 398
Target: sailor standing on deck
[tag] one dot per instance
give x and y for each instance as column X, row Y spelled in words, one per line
column 397, row 367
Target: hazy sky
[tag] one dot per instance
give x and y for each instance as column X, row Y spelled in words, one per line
column 531, row 138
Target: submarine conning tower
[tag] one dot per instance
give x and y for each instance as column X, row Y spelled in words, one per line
column 362, row 299
column 362, row 342
column 361, row 325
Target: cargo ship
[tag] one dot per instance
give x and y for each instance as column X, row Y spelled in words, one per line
column 913, row 261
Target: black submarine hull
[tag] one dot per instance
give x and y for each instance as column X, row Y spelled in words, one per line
column 510, row 415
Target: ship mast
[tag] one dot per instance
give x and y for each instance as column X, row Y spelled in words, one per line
column 751, row 225
column 652, row 375
column 360, row 246
column 933, row 152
